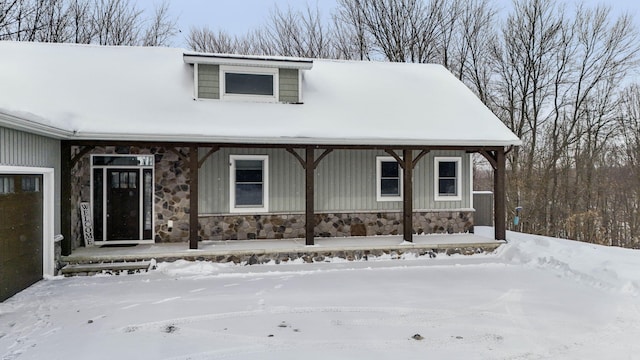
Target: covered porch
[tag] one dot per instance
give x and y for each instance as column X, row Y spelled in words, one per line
column 308, row 156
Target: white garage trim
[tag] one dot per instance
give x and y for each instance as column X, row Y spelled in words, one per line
column 48, row 181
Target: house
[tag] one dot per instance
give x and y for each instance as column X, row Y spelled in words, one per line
column 266, row 145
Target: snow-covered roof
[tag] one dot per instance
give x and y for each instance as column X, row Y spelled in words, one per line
column 91, row 92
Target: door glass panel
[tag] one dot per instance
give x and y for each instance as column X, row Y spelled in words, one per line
column 147, row 203
column 98, row 192
column 115, row 180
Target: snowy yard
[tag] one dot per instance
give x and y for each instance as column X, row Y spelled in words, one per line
column 536, row 298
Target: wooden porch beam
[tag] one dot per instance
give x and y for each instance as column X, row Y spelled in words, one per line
column 499, row 189
column 194, row 165
column 309, row 182
column 297, row 156
column 407, row 196
column 211, row 151
column 85, row 150
column 180, row 155
column 65, row 196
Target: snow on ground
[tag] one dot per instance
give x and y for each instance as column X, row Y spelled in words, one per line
column 534, row 298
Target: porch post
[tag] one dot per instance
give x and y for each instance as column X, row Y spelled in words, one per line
column 407, row 195
column 499, row 210
column 309, row 182
column 65, row 196
column 193, row 197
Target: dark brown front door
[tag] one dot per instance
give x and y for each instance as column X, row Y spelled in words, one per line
column 21, row 208
column 123, row 204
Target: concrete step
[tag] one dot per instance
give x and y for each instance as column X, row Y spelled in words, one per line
column 106, row 268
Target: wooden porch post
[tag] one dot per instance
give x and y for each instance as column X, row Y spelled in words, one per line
column 65, row 196
column 407, row 195
column 193, row 197
column 309, row 182
column 499, row 189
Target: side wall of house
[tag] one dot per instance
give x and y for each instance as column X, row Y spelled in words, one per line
column 345, row 181
column 18, row 148
column 209, row 83
column 345, row 198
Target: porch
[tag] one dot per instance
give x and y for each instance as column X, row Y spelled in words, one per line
column 263, row 251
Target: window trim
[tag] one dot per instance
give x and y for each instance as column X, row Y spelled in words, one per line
column 379, row 196
column 232, row 184
column 436, row 176
column 253, row 71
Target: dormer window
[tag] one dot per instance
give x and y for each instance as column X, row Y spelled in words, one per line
column 248, row 83
column 247, row 78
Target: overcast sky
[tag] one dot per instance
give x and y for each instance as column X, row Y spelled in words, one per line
column 239, row 16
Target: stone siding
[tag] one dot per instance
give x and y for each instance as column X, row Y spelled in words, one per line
column 288, row 226
column 171, row 196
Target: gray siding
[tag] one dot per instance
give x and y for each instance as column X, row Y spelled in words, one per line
column 286, row 181
column 19, row 148
column 345, row 181
column 288, row 86
column 208, row 81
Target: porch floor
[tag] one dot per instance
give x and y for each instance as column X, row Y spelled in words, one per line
column 240, row 250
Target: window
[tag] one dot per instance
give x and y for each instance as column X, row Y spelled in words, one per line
column 248, row 83
column 447, row 178
column 249, row 183
column 7, row 185
column 31, row 183
column 388, row 179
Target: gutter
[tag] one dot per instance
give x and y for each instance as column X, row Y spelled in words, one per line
column 17, row 123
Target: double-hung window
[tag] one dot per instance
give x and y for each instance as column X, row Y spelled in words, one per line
column 447, row 179
column 388, row 179
column 249, row 83
column 249, row 180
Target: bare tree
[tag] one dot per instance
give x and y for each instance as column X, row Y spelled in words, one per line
column 161, row 28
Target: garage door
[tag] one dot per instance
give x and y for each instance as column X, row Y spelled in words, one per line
column 21, row 208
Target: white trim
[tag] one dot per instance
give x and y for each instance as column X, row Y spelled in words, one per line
column 279, row 62
column 379, row 197
column 300, row 78
column 470, row 158
column 48, row 211
column 436, row 178
column 254, row 71
column 100, row 240
column 196, row 92
column 232, row 182
column 57, row 132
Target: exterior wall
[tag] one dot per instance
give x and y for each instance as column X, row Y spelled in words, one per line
column 345, row 181
column 288, row 86
column 288, row 226
column 208, row 81
column 18, row 148
column 171, row 197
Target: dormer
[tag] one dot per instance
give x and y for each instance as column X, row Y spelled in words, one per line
column 247, row 78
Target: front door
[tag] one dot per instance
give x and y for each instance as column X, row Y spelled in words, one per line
column 122, row 196
column 123, row 204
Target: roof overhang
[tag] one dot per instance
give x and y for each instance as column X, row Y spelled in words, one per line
column 245, row 60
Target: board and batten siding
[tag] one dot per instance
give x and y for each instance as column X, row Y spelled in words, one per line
column 18, row 148
column 208, row 81
column 345, row 182
column 288, row 86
